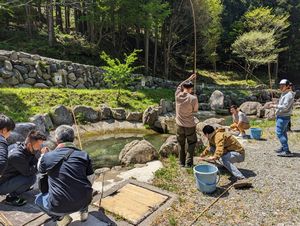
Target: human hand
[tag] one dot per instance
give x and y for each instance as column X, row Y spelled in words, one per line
column 44, row 150
column 192, row 77
column 212, row 159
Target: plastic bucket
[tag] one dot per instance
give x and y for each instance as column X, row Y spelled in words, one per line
column 256, row 133
column 207, row 177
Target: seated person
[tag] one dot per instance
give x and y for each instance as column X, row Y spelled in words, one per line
column 20, row 173
column 70, row 189
column 240, row 121
column 224, row 147
column 6, row 126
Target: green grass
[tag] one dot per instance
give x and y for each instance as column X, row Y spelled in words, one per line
column 22, row 103
column 262, row 123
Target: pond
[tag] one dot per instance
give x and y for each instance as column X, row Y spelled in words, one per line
column 104, row 151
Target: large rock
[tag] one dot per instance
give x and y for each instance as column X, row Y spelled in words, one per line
column 105, row 112
column 72, row 76
column 270, row 114
column 216, row 100
column 170, row 147
column 30, row 81
column 13, row 81
column 48, row 122
column 150, row 116
column 88, row 114
column 7, row 65
column 41, row 85
column 61, row 115
column 6, row 74
column 22, row 69
column 167, row 106
column 135, row 117
column 118, row 113
column 138, row 152
column 220, row 121
column 39, row 121
column 250, row 107
column 165, row 124
column 21, row 131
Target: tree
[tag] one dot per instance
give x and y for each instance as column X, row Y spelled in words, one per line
column 257, row 48
column 51, row 35
column 119, row 75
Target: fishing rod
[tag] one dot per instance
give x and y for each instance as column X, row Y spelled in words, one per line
column 195, row 44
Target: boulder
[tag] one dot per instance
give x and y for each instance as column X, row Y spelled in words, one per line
column 20, row 132
column 40, row 85
column 5, row 73
column 100, row 171
column 220, row 121
column 48, row 122
column 80, row 86
column 260, row 112
column 216, row 100
column 165, row 124
column 135, row 117
column 61, row 115
column 72, row 77
column 13, row 81
column 150, row 116
column 270, row 114
column 30, row 81
column 27, row 61
column 39, row 121
column 32, row 74
column 14, row 138
column 21, row 69
column 170, row 147
column 167, row 106
column 119, row 113
column 105, row 112
column 88, row 114
column 14, row 56
column 138, row 152
column 250, row 107
column 46, row 76
column 7, row 65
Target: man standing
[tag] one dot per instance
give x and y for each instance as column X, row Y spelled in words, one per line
column 6, row 126
column 70, row 187
column 186, row 106
column 284, row 110
column 20, row 173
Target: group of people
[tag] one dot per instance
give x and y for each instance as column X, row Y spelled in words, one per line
column 67, row 172
column 223, row 146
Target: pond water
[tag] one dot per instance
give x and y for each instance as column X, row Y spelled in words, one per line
column 105, row 152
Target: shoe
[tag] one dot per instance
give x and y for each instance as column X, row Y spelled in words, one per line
column 15, row 200
column 66, row 220
column 278, row 150
column 242, row 183
column 84, row 215
column 285, row 154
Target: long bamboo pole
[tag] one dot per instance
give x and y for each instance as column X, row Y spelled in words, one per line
column 195, row 43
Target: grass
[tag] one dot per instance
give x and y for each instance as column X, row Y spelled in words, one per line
column 22, row 103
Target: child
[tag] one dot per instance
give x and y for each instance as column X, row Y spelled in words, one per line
column 240, row 121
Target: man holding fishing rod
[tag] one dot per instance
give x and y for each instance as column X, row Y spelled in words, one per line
column 186, row 106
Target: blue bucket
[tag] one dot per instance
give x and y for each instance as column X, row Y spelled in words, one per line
column 207, row 177
column 256, row 133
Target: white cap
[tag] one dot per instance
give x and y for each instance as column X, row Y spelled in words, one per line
column 284, row 82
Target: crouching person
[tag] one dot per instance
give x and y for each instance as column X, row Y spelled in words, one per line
column 68, row 170
column 20, row 173
column 225, row 148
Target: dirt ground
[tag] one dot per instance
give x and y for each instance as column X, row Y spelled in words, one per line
column 273, row 200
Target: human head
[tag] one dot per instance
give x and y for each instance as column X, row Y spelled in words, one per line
column 6, row 125
column 284, row 85
column 207, row 130
column 34, row 141
column 188, row 86
column 64, row 134
column 233, row 109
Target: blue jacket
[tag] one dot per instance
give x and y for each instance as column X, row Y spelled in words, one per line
column 3, row 154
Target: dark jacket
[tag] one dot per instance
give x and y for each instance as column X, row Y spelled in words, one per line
column 20, row 162
column 69, row 187
column 3, row 154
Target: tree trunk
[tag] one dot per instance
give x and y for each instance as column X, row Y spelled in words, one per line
column 276, row 69
column 155, row 51
column 28, row 19
column 51, row 35
column 269, row 73
column 146, row 51
column 67, row 19
column 58, row 16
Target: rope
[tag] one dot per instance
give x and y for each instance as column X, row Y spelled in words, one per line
column 77, row 130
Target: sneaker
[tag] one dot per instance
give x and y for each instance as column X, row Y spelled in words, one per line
column 278, row 150
column 242, row 183
column 84, row 215
column 66, row 220
column 285, row 154
column 15, row 200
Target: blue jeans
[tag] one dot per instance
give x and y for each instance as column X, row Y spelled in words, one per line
column 17, row 185
column 228, row 159
column 281, row 131
column 43, row 203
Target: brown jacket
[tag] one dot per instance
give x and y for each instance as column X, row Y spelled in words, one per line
column 223, row 142
column 186, row 106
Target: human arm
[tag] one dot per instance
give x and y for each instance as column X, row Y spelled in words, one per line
column 90, row 171
column 22, row 165
column 219, row 139
column 3, row 155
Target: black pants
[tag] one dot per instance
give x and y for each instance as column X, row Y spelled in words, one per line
column 186, row 134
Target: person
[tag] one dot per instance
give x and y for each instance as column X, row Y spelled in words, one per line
column 6, row 126
column 186, row 105
column 20, row 173
column 70, row 183
column 283, row 112
column 290, row 123
column 225, row 147
column 240, row 121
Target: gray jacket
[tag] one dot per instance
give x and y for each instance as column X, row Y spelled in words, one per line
column 285, row 104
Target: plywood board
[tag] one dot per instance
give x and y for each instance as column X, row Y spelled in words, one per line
column 133, row 203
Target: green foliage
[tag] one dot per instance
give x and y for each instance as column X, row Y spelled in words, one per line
column 119, row 75
column 22, row 103
column 257, row 48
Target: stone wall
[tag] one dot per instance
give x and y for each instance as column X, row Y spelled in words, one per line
column 19, row 69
